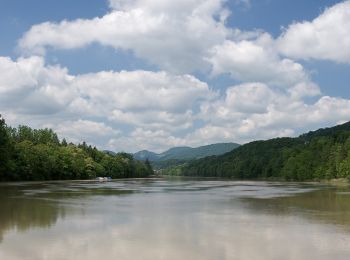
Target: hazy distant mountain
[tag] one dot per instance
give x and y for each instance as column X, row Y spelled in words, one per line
column 109, row 152
column 187, row 153
column 144, row 154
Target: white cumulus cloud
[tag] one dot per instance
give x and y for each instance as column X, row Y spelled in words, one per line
column 256, row 60
column 327, row 37
column 170, row 34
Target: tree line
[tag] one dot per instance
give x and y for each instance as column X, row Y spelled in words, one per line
column 322, row 154
column 28, row 154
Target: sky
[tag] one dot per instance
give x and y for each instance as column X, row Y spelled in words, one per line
column 128, row 75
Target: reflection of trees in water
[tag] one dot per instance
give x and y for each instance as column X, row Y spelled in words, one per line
column 23, row 213
column 331, row 206
column 42, row 204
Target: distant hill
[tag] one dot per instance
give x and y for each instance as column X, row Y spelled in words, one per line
column 144, row 154
column 109, row 152
column 320, row 154
column 186, row 153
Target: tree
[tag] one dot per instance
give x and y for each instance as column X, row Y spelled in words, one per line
column 37, row 154
column 5, row 148
column 64, row 142
column 148, row 166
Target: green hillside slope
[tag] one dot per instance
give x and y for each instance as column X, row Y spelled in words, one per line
column 321, row 154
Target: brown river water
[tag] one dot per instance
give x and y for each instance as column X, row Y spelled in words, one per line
column 170, row 219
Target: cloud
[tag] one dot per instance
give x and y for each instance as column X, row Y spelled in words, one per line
column 249, row 98
column 256, row 60
column 154, row 120
column 143, row 138
column 28, row 86
column 154, row 100
column 172, row 35
column 304, row 89
column 325, row 38
column 83, row 130
column 82, row 107
column 141, row 90
column 254, row 111
column 132, row 110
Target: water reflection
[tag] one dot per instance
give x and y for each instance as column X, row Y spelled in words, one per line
column 22, row 214
column 28, row 206
column 329, row 205
column 174, row 219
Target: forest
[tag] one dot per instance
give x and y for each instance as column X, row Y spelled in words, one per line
column 317, row 155
column 28, row 154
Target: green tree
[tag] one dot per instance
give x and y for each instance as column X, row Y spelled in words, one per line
column 5, row 148
column 37, row 154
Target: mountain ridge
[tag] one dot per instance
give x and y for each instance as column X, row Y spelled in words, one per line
column 186, row 152
column 319, row 154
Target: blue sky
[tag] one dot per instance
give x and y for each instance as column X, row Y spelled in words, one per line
column 130, row 75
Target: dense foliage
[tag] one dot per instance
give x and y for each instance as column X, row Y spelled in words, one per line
column 29, row 154
column 322, row 154
column 161, row 165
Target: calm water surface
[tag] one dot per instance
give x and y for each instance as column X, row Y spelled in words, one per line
column 174, row 219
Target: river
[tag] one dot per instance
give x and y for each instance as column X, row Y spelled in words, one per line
column 170, row 219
